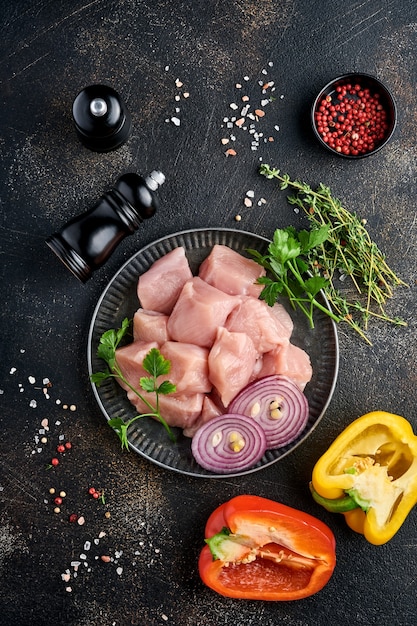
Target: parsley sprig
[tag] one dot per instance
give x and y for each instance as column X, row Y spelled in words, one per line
column 285, row 262
column 347, row 251
column 153, row 363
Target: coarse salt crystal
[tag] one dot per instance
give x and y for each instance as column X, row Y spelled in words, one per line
column 164, row 617
column 87, row 546
column 119, row 571
column 101, row 534
column 250, row 193
column 81, row 520
column 247, row 202
column 12, row 370
column 32, row 380
column 233, row 106
column 33, row 404
column 178, row 83
column 176, row 121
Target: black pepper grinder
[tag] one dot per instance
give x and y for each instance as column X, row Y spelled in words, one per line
column 101, row 118
column 86, row 242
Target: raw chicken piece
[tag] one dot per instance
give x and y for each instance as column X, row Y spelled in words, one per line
column 231, row 363
column 199, row 311
column 210, row 409
column 189, row 367
column 150, row 326
column 231, row 272
column 130, row 359
column 288, row 360
column 255, row 318
column 160, row 286
column 283, row 317
column 181, row 410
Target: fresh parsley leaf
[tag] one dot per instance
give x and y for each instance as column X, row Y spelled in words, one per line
column 100, row 377
column 155, row 364
column 147, row 384
column 166, row 388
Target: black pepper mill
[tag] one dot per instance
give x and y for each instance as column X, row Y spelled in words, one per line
column 101, row 119
column 86, row 242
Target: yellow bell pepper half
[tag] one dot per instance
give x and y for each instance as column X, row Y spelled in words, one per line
column 369, row 474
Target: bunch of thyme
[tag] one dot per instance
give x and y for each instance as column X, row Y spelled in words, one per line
column 347, row 252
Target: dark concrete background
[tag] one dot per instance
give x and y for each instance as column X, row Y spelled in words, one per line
column 49, row 51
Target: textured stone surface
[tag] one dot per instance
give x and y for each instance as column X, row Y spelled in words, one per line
column 48, row 53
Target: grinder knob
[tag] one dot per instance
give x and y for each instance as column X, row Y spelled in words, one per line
column 101, row 119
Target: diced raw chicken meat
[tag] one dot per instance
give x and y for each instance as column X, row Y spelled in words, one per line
column 210, row 409
column 177, row 410
column 283, row 317
column 255, row 318
column 289, row 360
column 160, row 286
column 199, row 311
column 189, row 367
column 130, row 359
column 231, row 272
column 150, row 326
column 231, row 363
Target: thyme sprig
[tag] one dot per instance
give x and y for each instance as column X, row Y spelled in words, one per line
column 348, row 251
column 153, row 363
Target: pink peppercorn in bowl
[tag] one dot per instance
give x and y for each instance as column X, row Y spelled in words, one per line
column 354, row 116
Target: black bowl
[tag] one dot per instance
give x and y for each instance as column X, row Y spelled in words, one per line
column 368, row 130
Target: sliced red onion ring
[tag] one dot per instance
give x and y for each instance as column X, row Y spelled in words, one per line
column 276, row 404
column 228, row 443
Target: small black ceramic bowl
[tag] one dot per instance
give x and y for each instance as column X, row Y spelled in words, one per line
column 354, row 116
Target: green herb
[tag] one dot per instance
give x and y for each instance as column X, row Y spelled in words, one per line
column 153, row 363
column 285, row 261
column 348, row 251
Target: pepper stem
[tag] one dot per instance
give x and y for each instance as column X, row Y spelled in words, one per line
column 336, row 505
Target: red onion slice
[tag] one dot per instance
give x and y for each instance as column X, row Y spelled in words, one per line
column 228, row 443
column 275, row 403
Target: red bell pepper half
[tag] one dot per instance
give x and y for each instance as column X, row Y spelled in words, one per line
column 258, row 549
